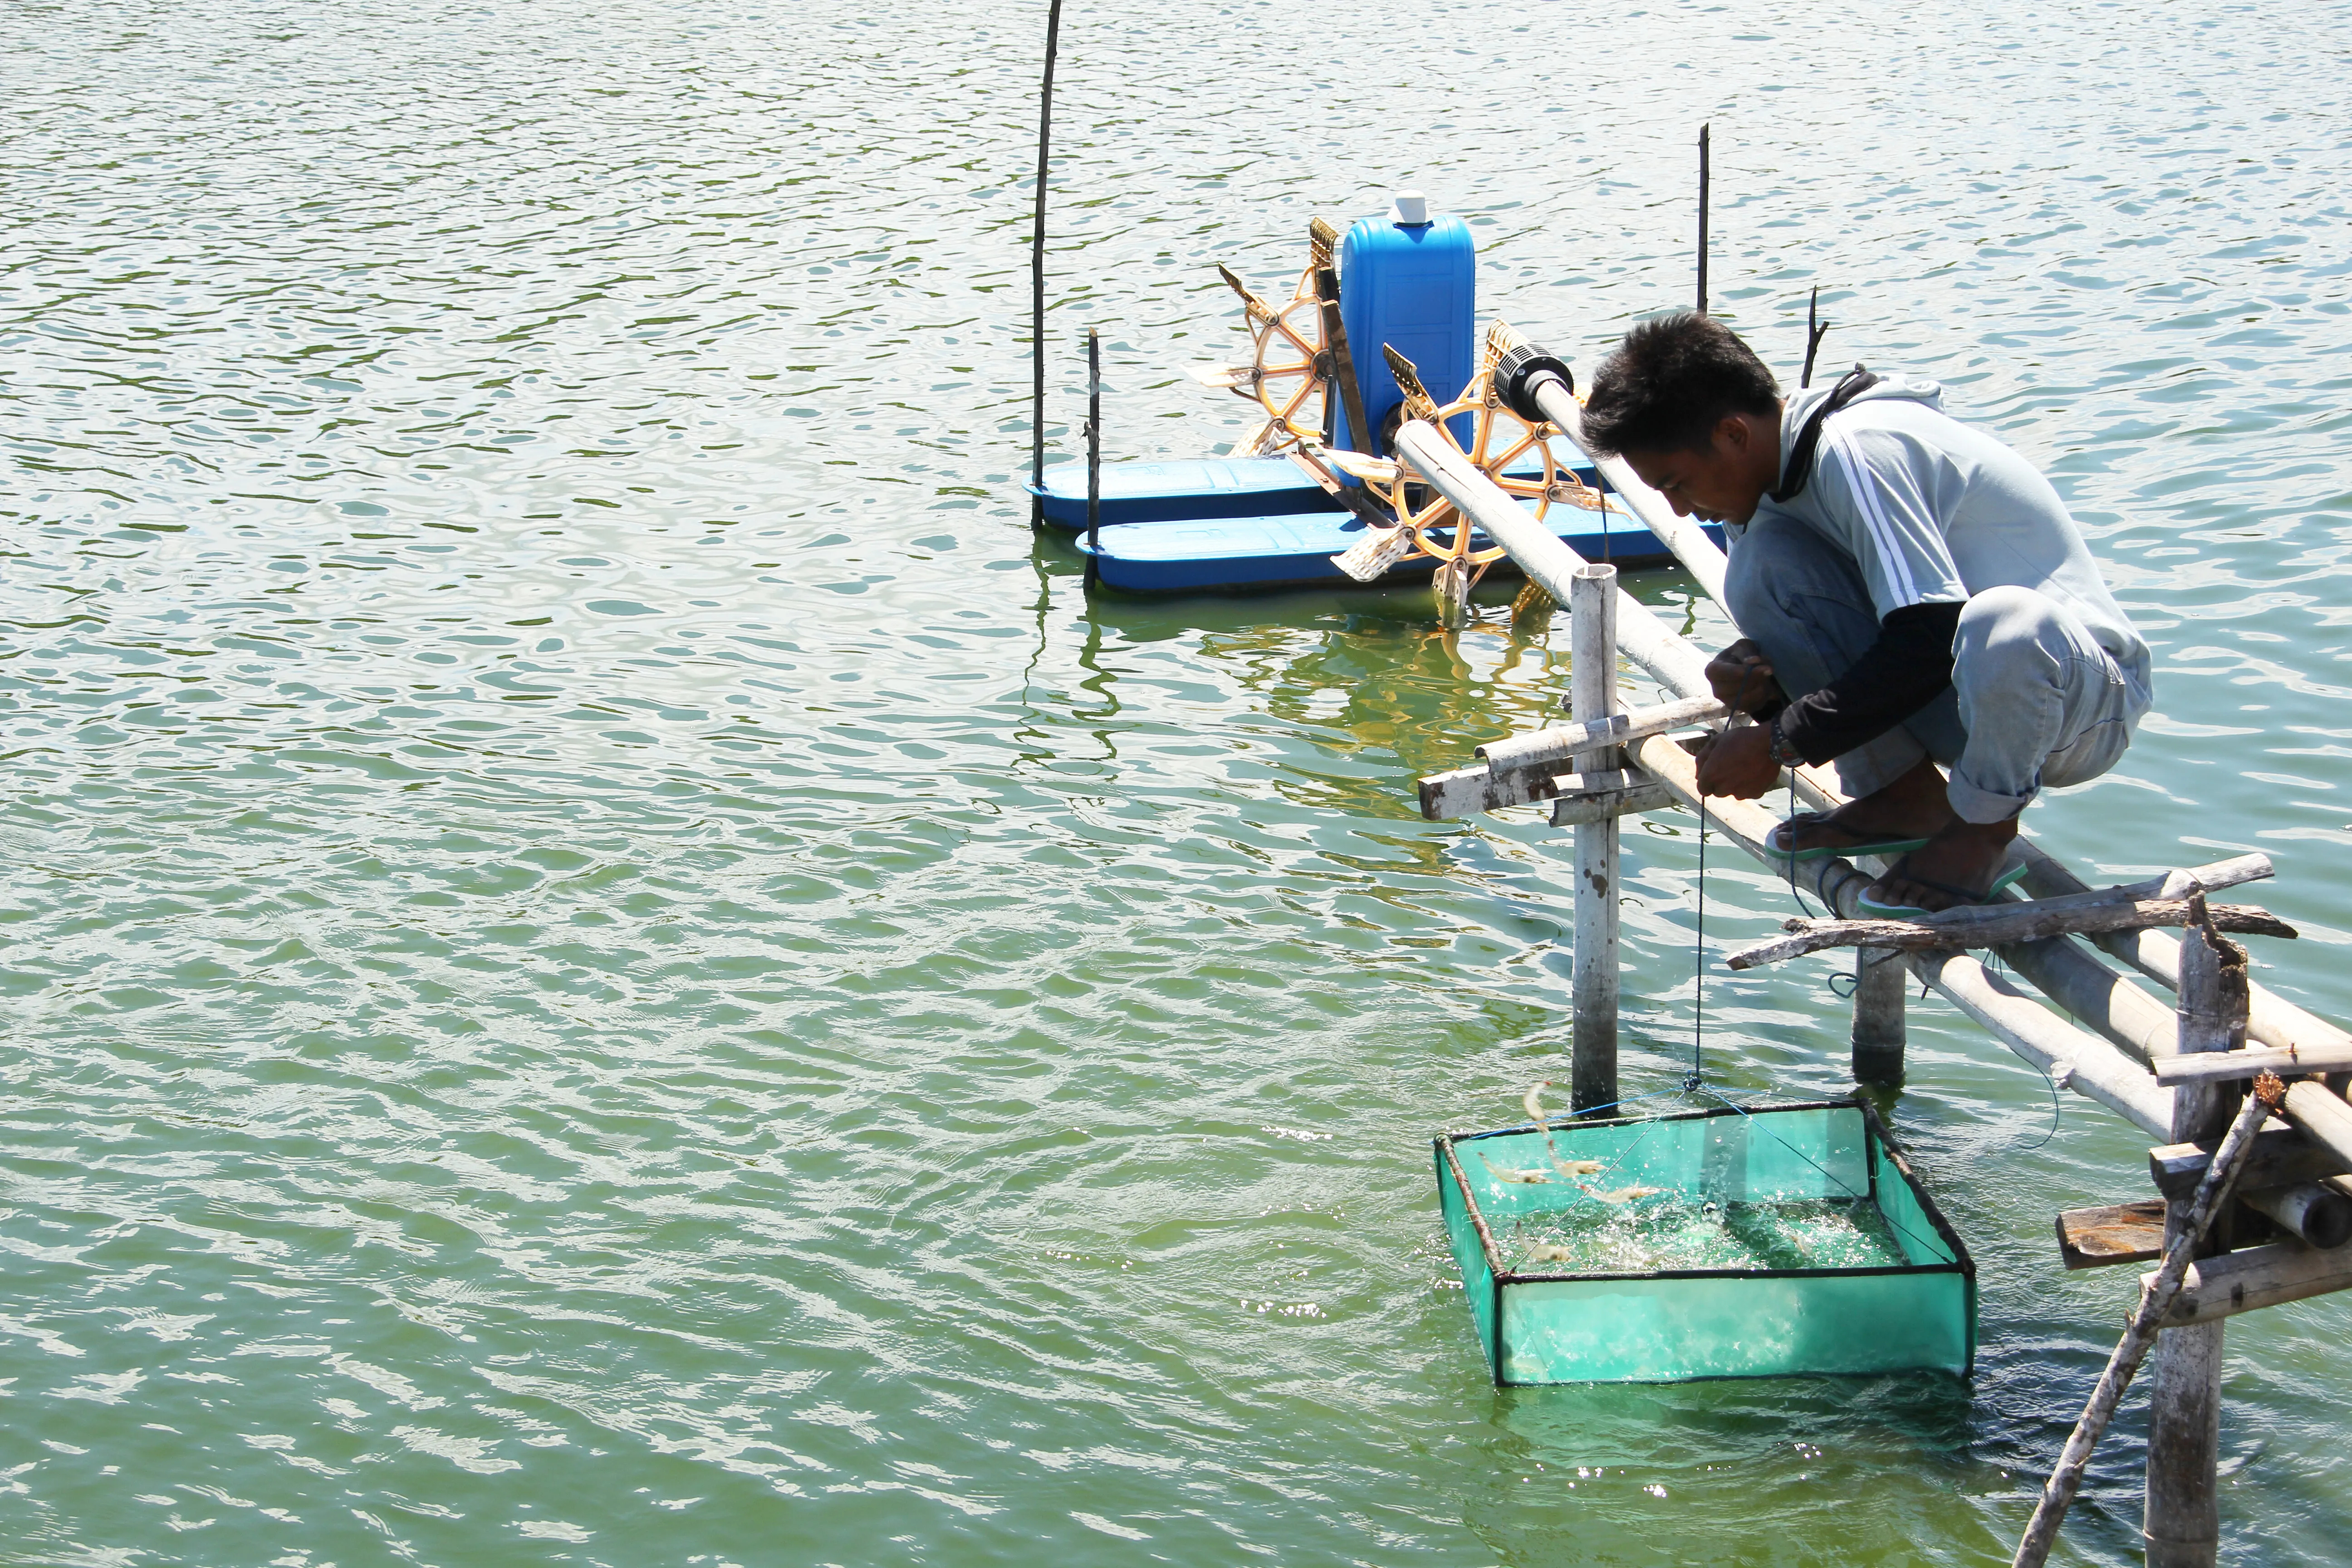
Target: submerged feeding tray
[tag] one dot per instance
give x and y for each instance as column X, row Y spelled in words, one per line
column 1727, row 1243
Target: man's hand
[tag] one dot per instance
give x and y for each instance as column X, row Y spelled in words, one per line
column 1738, row 764
column 1742, row 677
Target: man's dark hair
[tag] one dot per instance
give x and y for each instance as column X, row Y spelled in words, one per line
column 1670, row 383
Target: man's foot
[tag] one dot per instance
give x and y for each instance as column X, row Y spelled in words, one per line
column 1910, row 811
column 1964, row 858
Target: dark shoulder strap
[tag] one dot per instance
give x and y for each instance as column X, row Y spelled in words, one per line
column 1801, row 457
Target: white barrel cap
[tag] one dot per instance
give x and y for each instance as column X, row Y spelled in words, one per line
column 1409, row 208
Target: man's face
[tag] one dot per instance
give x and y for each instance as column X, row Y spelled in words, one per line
column 1722, row 481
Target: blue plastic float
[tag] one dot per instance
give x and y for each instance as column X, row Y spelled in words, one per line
column 1407, row 281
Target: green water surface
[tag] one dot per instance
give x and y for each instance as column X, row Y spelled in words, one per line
column 608, row 962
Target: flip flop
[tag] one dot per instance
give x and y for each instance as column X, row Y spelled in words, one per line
column 2012, row 867
column 1865, row 844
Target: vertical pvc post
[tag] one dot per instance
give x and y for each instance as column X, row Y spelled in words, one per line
column 1880, row 979
column 2181, row 1525
column 1593, row 691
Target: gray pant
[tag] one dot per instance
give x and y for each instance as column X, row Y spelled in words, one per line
column 2034, row 701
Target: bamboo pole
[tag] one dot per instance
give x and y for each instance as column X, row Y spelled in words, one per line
column 1037, row 274
column 2319, row 1213
column 2317, row 1112
column 2181, row 1069
column 2270, row 1018
column 1094, row 445
column 1704, row 181
column 1593, row 688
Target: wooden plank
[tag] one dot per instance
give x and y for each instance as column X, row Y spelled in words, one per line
column 2281, row 1157
column 2219, row 1287
column 2114, row 1233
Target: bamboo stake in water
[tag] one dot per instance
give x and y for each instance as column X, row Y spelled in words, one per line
column 1037, row 273
column 1702, row 138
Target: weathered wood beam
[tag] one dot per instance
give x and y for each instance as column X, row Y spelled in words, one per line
column 2218, row 1287
column 2180, row 1524
column 1997, row 925
column 1594, row 977
column 1574, row 810
column 2111, row 1233
column 1877, row 1038
column 2245, row 1064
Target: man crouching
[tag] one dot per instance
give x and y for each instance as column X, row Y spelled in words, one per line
column 1909, row 592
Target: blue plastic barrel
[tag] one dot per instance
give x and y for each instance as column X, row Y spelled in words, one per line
column 1412, row 286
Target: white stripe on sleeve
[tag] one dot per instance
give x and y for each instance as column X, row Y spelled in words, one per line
column 1891, row 554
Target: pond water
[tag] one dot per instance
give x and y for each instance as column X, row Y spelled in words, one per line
column 609, row 963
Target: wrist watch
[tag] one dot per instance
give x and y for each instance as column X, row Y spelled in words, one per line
column 1783, row 754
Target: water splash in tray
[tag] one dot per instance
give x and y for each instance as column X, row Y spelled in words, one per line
column 1671, row 1231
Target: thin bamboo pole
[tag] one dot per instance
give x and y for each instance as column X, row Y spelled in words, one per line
column 1704, row 180
column 1037, row 273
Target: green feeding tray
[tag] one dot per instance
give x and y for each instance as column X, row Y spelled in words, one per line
column 1730, row 1243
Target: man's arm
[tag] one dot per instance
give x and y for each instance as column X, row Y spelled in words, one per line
column 1906, row 668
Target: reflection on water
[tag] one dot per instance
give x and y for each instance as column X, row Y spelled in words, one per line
column 608, row 963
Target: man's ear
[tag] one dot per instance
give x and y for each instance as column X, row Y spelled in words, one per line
column 1732, row 435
